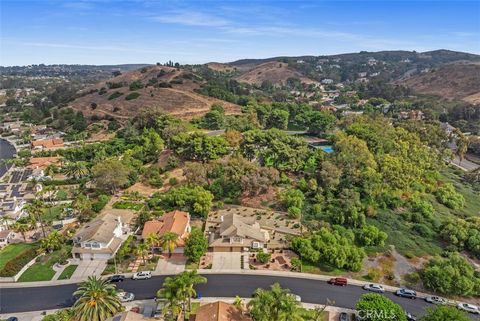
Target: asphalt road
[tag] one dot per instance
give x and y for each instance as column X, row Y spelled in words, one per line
column 225, row 285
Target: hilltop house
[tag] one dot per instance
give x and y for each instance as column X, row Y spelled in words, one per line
column 101, row 238
column 234, row 233
column 177, row 222
column 47, row 143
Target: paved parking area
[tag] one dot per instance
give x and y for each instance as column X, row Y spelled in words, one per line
column 173, row 265
column 89, row 268
column 226, row 261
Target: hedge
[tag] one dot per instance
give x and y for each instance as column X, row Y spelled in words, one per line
column 17, row 263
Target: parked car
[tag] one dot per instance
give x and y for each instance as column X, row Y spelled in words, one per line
column 343, row 317
column 142, row 275
column 411, row 317
column 126, row 296
column 435, row 300
column 116, row 278
column 338, row 281
column 12, row 319
column 374, row 288
column 406, row 293
column 469, row 308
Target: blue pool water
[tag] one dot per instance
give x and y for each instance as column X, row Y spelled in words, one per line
column 327, row 149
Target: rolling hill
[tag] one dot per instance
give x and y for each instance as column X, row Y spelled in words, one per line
column 167, row 88
column 449, row 81
column 274, row 72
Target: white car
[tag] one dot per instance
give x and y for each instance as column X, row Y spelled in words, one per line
column 126, row 296
column 296, row 297
column 435, row 300
column 374, row 288
column 142, row 275
column 469, row 308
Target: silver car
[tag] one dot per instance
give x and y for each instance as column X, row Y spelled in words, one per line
column 435, row 300
column 469, row 308
column 374, row 288
column 125, row 296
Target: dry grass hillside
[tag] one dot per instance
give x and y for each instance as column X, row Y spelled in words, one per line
column 275, row 72
column 166, row 88
column 450, row 81
column 217, row 66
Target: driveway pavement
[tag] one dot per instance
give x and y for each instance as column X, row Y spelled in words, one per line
column 89, row 268
column 226, row 261
column 465, row 164
column 173, row 265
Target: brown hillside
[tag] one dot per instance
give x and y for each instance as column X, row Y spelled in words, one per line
column 451, row 81
column 217, row 66
column 180, row 100
column 274, row 72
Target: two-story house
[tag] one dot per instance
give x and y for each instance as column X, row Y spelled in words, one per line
column 234, row 233
column 101, row 238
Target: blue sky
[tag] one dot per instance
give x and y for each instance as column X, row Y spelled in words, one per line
column 148, row 31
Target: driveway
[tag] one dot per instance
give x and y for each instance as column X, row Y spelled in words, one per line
column 173, row 265
column 89, row 268
column 226, row 261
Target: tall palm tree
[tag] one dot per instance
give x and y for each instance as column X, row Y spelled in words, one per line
column 52, row 242
column 141, row 250
column 189, row 279
column 22, row 229
column 35, row 209
column 152, row 240
column 32, row 222
column 169, row 241
column 277, row 304
column 97, row 300
column 171, row 293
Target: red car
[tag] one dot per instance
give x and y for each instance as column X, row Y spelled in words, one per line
column 338, row 281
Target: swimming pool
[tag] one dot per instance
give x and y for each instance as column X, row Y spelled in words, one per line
column 327, row 149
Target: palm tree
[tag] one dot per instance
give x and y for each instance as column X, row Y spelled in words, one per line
column 22, row 229
column 97, row 300
column 277, row 304
column 52, row 242
column 152, row 240
column 168, row 241
column 35, row 210
column 190, row 279
column 141, row 250
column 170, row 292
column 75, row 170
column 32, row 222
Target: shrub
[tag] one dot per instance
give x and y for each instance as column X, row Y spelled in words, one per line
column 132, row 96
column 115, row 95
column 263, row 257
column 114, row 85
column 447, row 195
column 173, row 181
column 14, row 266
column 100, row 203
column 136, row 85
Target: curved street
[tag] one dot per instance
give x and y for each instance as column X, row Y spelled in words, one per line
column 23, row 299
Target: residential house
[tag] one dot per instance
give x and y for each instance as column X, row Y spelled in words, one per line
column 48, row 143
column 219, row 311
column 177, row 222
column 5, row 237
column 101, row 238
column 234, row 233
column 327, row 81
column 12, row 126
column 43, row 162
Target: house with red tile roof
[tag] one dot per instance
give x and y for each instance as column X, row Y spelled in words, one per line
column 177, row 222
column 47, row 143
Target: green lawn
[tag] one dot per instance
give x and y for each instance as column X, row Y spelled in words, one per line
column 13, row 250
column 128, row 205
column 42, row 270
column 52, row 214
column 472, row 198
column 68, row 272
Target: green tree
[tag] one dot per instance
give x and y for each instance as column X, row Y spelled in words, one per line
column 173, row 296
column 110, row 175
column 152, row 241
column 199, row 146
column 317, row 122
column 196, row 245
column 60, row 315
column 195, row 200
column 75, row 170
column 275, row 304
column 52, row 242
column 22, row 229
column 453, row 276
column 97, row 300
column 278, row 118
column 152, row 145
column 168, row 242
column 376, row 307
column 444, row 313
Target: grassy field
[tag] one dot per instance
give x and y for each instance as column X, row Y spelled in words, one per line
column 68, row 272
column 42, row 270
column 13, row 250
column 472, row 198
column 51, row 214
